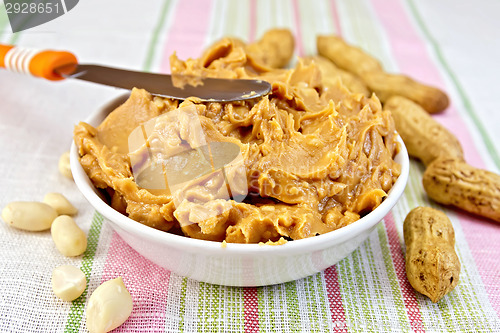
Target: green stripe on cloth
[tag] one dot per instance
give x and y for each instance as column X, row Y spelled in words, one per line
column 77, row 307
column 4, row 19
column 182, row 305
column 202, row 306
column 218, row 305
column 310, row 28
column 307, row 26
column 330, row 17
column 317, row 303
column 292, row 302
column 464, row 299
column 323, row 299
column 315, row 20
column 217, row 26
column 167, row 5
column 76, row 310
column 415, row 191
column 205, row 305
column 393, row 280
column 365, row 34
column 377, row 284
column 268, row 298
column 14, row 38
column 467, row 304
column 362, row 288
column 463, row 302
column 266, row 17
column 234, row 308
column 279, row 306
column 273, row 11
column 373, row 273
column 399, row 212
column 260, row 307
column 233, row 7
column 353, row 284
column 445, row 314
column 465, row 99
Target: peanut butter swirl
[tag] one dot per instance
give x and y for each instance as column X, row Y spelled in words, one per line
column 317, row 157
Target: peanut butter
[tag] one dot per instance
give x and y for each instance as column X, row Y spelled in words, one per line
column 316, row 157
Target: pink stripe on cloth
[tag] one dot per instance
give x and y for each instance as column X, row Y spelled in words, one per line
column 187, row 35
column 335, row 16
column 481, row 236
column 250, row 299
column 409, row 299
column 298, row 33
column 330, row 274
column 413, row 59
column 253, row 21
column 251, row 309
column 335, row 299
column 147, row 283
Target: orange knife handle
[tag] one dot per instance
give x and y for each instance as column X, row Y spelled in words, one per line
column 40, row 63
column 4, row 49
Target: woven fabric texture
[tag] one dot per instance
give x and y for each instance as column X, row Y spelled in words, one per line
column 454, row 47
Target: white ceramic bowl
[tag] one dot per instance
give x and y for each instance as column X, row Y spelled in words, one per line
column 236, row 264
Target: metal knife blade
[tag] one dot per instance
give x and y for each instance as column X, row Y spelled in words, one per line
column 164, row 85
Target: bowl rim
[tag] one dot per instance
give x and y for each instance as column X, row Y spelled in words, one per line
column 194, row 245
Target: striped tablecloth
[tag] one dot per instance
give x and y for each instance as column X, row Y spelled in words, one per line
column 449, row 44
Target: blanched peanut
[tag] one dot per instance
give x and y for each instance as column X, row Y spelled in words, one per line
column 60, row 204
column 109, row 306
column 68, row 282
column 26, row 215
column 69, row 239
column 64, row 167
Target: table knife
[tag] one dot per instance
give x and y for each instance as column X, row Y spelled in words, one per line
column 58, row 65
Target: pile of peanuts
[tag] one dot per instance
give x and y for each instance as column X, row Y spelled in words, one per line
column 448, row 179
column 110, row 304
column 432, row 265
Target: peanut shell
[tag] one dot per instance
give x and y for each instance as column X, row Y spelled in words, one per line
column 454, row 182
column 432, row 265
